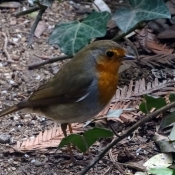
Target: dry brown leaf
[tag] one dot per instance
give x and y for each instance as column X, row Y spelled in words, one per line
column 155, row 60
column 41, row 27
column 149, row 42
column 159, row 48
column 50, row 138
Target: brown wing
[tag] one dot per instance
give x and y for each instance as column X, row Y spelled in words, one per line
column 68, row 85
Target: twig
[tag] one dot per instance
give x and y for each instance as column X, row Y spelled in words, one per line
column 52, row 60
column 134, row 48
column 107, row 171
column 38, row 18
column 113, row 130
column 42, row 57
column 25, row 12
column 127, row 133
column 121, row 36
column 5, row 47
column 116, row 163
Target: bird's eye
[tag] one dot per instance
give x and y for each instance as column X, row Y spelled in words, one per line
column 109, row 54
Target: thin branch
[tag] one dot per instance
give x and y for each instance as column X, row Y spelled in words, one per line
column 5, row 47
column 133, row 47
column 52, row 60
column 42, row 57
column 25, row 12
column 113, row 130
column 121, row 36
column 126, row 134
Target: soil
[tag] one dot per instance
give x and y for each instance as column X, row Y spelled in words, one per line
column 17, row 83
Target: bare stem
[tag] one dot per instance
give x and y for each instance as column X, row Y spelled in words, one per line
column 144, row 119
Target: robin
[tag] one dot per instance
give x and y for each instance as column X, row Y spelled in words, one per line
column 81, row 88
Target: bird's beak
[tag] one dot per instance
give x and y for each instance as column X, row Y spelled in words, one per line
column 129, row 57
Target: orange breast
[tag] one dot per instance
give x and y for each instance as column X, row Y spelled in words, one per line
column 107, row 80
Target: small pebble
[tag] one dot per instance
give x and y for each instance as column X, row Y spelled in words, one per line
column 13, row 168
column 15, row 40
column 32, row 137
column 4, row 92
column 4, row 138
column 27, row 116
column 10, row 160
column 43, row 156
column 12, row 130
column 16, row 163
column 19, row 126
column 138, row 150
column 12, row 141
column 38, row 77
column 38, row 163
column 33, row 161
column 15, row 118
column 32, row 122
column 71, row 2
column 26, row 155
column 43, row 119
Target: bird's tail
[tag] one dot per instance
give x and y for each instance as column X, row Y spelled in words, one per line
column 9, row 110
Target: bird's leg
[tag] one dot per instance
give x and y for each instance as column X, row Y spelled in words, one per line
column 71, row 131
column 70, row 128
column 64, row 127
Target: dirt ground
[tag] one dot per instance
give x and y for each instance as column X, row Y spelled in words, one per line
column 17, row 83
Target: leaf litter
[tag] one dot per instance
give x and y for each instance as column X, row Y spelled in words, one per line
column 37, row 137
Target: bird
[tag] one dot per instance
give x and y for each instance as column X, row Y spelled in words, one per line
column 81, row 88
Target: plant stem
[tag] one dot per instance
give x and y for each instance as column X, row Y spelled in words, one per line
column 126, row 134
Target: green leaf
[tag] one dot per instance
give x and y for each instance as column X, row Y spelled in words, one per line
column 91, row 136
column 167, row 121
column 161, row 171
column 172, row 97
column 140, row 10
column 151, row 102
column 73, row 36
column 76, row 140
column 88, row 139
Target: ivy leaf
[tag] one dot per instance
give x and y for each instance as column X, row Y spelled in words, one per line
column 73, row 36
column 151, row 102
column 140, row 10
column 88, row 139
column 91, row 136
column 76, row 140
column 167, row 121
